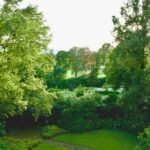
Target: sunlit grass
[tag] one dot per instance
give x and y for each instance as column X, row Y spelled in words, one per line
column 102, row 140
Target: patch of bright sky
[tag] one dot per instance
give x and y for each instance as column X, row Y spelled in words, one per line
column 82, row 23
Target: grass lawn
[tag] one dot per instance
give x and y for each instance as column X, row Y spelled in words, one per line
column 49, row 147
column 102, row 139
column 35, row 134
column 105, row 139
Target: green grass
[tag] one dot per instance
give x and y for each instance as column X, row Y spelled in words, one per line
column 49, row 147
column 26, row 137
column 102, row 140
column 105, row 139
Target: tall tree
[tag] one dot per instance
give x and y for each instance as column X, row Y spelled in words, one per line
column 103, row 53
column 81, row 59
column 127, row 63
column 74, row 60
column 62, row 65
column 23, row 37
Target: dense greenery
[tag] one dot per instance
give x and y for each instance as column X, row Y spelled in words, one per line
column 144, row 138
column 13, row 144
column 48, row 132
column 23, row 36
column 127, row 65
column 71, row 83
column 86, row 109
column 2, row 129
column 77, row 60
column 76, row 89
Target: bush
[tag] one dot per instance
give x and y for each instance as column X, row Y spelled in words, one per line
column 91, row 110
column 144, row 140
column 13, row 144
column 73, row 83
column 76, row 114
column 51, row 131
column 87, row 112
column 80, row 91
column 110, row 123
column 2, row 129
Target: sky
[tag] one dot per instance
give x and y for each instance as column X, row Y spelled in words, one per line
column 81, row 23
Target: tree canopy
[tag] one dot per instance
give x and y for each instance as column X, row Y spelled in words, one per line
column 127, row 65
column 23, row 37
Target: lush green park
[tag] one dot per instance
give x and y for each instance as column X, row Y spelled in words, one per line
column 77, row 98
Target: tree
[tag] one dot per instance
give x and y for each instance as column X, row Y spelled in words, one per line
column 102, row 53
column 23, row 37
column 135, row 17
column 101, row 57
column 74, row 60
column 127, row 62
column 62, row 65
column 81, row 59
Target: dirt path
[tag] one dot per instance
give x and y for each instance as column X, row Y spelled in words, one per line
column 67, row 145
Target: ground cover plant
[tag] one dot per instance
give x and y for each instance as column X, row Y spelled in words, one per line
column 16, row 144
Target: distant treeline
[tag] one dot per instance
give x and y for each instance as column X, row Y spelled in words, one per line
column 72, row 83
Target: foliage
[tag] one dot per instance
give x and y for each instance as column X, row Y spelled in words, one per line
column 126, row 65
column 95, row 109
column 13, row 144
column 77, row 60
column 62, row 65
column 51, row 131
column 80, row 91
column 135, row 17
column 80, row 113
column 23, row 37
column 72, row 83
column 75, row 114
column 144, row 138
column 102, row 53
column 81, row 59
column 2, row 129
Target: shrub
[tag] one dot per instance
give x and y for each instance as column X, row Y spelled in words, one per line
column 51, row 131
column 2, row 129
column 109, row 123
column 76, row 114
column 86, row 112
column 13, row 144
column 94, row 110
column 80, row 91
column 73, row 83
column 144, row 140
column 110, row 100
